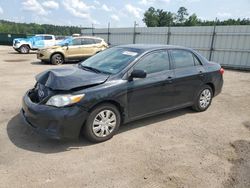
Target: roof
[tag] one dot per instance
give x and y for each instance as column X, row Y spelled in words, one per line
column 151, row 46
column 91, row 37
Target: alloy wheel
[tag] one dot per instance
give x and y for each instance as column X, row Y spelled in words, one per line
column 58, row 59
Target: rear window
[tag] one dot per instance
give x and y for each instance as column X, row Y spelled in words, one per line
column 48, row 37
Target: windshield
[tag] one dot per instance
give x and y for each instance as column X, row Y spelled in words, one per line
column 112, row 60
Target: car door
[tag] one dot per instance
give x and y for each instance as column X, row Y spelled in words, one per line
column 73, row 50
column 38, row 42
column 48, row 40
column 155, row 92
column 99, row 45
column 189, row 76
column 88, row 47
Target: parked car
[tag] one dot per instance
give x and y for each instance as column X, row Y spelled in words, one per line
column 24, row 45
column 72, row 48
column 119, row 85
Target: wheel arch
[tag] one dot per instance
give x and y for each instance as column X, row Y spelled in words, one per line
column 113, row 102
column 25, row 45
column 119, row 107
column 212, row 86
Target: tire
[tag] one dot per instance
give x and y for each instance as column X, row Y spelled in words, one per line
column 24, row 49
column 99, row 132
column 203, row 99
column 57, row 59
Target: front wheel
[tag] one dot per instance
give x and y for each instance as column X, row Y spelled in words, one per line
column 203, row 99
column 102, row 123
column 24, row 49
column 57, row 59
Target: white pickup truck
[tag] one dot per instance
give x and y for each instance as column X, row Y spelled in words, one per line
column 24, row 45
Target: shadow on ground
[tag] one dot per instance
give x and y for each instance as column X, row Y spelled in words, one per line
column 15, row 60
column 23, row 137
column 240, row 171
column 22, row 54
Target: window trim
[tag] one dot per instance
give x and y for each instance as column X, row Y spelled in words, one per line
column 149, row 53
column 195, row 57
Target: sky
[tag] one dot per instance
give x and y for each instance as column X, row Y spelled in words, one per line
column 120, row 13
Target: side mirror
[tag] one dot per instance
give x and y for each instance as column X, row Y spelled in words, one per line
column 137, row 74
column 66, row 44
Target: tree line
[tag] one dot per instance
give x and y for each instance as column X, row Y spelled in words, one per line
column 160, row 18
column 33, row 28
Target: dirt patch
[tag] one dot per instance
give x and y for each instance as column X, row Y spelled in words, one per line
column 240, row 172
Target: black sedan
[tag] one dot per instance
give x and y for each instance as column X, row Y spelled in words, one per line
column 119, row 85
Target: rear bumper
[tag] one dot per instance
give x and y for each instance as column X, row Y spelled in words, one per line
column 57, row 123
column 218, row 86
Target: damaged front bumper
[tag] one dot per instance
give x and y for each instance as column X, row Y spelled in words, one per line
column 57, row 123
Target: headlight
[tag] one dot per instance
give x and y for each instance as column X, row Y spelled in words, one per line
column 64, row 100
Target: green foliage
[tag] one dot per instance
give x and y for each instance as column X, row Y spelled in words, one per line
column 161, row 18
column 151, row 17
column 165, row 18
column 192, row 20
column 32, row 28
column 157, row 18
column 182, row 14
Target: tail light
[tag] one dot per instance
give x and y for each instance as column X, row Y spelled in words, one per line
column 222, row 71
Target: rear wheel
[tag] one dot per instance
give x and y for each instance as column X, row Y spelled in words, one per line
column 24, row 49
column 203, row 99
column 102, row 123
column 57, row 59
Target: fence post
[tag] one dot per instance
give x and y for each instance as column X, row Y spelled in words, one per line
column 134, row 34
column 108, row 32
column 93, row 30
column 212, row 41
column 169, row 33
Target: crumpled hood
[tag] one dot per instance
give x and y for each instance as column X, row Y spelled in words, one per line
column 69, row 78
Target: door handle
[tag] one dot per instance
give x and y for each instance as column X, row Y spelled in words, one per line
column 201, row 73
column 170, row 79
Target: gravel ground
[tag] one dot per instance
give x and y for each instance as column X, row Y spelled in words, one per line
column 177, row 149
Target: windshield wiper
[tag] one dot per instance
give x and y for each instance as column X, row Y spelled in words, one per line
column 93, row 69
column 90, row 68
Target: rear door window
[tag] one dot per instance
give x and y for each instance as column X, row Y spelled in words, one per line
column 87, row 41
column 196, row 61
column 182, row 58
column 154, row 62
